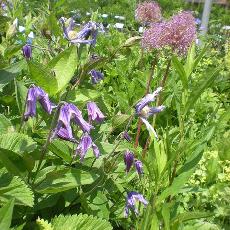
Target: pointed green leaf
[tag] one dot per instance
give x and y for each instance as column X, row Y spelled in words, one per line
column 6, row 215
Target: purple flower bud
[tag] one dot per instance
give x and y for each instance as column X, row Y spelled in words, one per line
column 27, row 51
column 126, row 136
column 84, row 145
column 95, row 150
column 36, row 93
column 131, row 200
column 146, row 100
column 66, row 134
column 139, row 167
column 96, row 76
column 94, row 113
column 128, row 159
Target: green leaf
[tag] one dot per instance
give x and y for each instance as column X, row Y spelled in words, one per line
column 11, row 50
column 17, row 142
column 5, row 124
column 43, row 224
column 119, row 120
column 64, row 65
column 43, row 77
column 14, row 187
column 166, row 216
column 184, row 174
column 180, row 70
column 6, row 215
column 80, row 222
column 190, row 216
column 9, row 73
column 66, row 179
column 21, row 94
column 199, row 89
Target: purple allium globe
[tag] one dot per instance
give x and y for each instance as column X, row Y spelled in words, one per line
column 177, row 33
column 148, row 12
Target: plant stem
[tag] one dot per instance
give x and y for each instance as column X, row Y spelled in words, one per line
column 158, row 103
column 44, row 148
column 154, row 62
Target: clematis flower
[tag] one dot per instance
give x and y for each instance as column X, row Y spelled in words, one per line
column 90, row 30
column 94, row 113
column 139, row 167
column 96, row 76
column 128, row 159
column 85, row 144
column 126, row 136
column 144, row 111
column 66, row 134
column 36, row 93
column 131, row 200
column 68, row 113
column 27, row 51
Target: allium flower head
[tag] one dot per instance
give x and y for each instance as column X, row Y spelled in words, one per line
column 36, row 93
column 147, row 12
column 27, row 51
column 128, row 159
column 94, row 113
column 177, row 33
column 131, row 200
column 183, row 31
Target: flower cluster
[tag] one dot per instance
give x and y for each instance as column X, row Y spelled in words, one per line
column 178, row 33
column 148, row 12
column 143, row 110
column 87, row 35
column 129, row 161
column 68, row 113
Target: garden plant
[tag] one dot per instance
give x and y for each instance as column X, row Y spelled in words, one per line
column 112, row 127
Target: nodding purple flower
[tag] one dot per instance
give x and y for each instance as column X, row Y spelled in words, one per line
column 94, row 113
column 128, row 159
column 27, row 51
column 36, row 93
column 126, row 136
column 90, row 30
column 139, row 167
column 144, row 111
column 66, row 134
column 85, row 144
column 131, row 200
column 148, row 12
column 146, row 100
column 69, row 112
column 96, row 76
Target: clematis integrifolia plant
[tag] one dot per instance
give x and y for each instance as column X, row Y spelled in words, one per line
column 35, row 94
column 87, row 35
column 94, row 113
column 144, row 111
column 131, row 202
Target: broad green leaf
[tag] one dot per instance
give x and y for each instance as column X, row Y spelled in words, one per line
column 161, row 157
column 43, row 77
column 180, row 70
column 188, row 67
column 6, row 215
column 83, row 95
column 11, row 50
column 64, row 65
column 119, row 120
column 14, row 187
column 5, row 125
column 66, row 179
column 17, row 142
column 9, row 73
column 21, row 94
column 80, row 222
column 199, row 89
column 166, row 216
